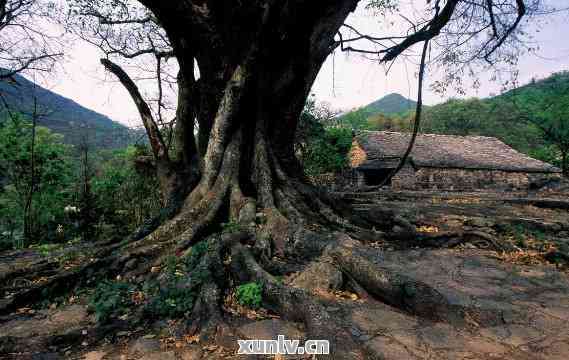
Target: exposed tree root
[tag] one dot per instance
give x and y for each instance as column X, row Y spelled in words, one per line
column 452, row 239
column 59, row 284
column 394, row 289
column 73, row 337
column 296, row 304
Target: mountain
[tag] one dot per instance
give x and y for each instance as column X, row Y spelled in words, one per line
column 540, row 88
column 391, row 112
column 63, row 115
column 390, row 104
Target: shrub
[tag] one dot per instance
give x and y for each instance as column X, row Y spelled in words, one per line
column 111, row 299
column 175, row 297
column 170, row 301
column 192, row 260
column 250, row 295
column 328, row 152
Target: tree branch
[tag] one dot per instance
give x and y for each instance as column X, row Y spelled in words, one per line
column 521, row 12
column 25, row 65
column 429, row 31
column 155, row 137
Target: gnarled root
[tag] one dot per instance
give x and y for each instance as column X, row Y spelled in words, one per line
column 296, row 304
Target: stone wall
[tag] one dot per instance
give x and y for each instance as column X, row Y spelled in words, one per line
column 405, row 179
column 437, row 179
column 467, row 179
column 346, row 180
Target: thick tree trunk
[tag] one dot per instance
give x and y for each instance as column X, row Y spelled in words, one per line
column 247, row 104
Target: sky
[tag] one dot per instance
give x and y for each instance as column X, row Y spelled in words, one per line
column 346, row 81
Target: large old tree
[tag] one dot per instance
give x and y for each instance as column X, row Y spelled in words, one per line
column 245, row 70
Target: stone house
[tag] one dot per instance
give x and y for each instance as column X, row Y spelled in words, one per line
column 443, row 162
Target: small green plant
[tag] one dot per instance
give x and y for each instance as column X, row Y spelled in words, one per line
column 539, row 235
column 68, row 256
column 192, row 260
column 517, row 233
column 230, row 227
column 250, row 295
column 171, row 268
column 47, row 249
column 170, row 301
column 110, row 299
column 175, row 297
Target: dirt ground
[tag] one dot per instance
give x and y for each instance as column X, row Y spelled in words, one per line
column 509, row 304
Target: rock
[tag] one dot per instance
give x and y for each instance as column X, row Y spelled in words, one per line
column 388, row 349
column 355, row 331
column 479, row 222
column 65, row 319
column 94, row 355
column 398, row 229
column 479, row 345
column 319, row 275
column 226, row 338
column 131, row 264
column 441, row 335
column 270, row 329
column 248, row 212
column 563, row 247
column 382, row 318
column 168, row 355
column 194, row 352
column 143, row 346
column 46, row 356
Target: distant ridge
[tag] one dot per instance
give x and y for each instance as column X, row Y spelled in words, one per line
column 64, row 116
column 390, row 104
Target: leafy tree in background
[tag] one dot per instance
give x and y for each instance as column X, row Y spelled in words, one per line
column 320, row 146
column 51, row 179
column 545, row 104
column 124, row 196
column 477, row 117
column 456, row 117
column 400, row 122
column 357, row 120
column 328, row 152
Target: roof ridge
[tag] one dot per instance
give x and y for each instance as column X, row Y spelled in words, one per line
column 431, row 134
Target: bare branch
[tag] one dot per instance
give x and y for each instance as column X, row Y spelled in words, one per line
column 431, row 30
column 156, row 141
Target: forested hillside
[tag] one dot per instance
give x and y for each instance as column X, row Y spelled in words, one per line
column 533, row 118
column 61, row 115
